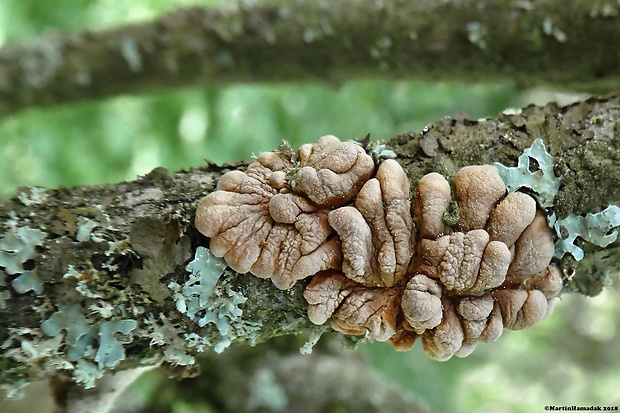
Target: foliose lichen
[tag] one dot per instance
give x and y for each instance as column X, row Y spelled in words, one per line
column 81, row 283
column 111, row 350
column 166, row 335
column 542, row 181
column 315, row 336
column 204, row 301
column 88, row 344
column 379, row 153
column 79, row 333
column 32, row 196
column 593, row 228
column 27, row 281
column 17, row 246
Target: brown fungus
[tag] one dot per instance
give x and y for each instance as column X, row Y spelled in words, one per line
column 421, row 303
column 533, row 250
column 322, row 213
column 377, row 246
column 477, row 189
column 332, row 172
column 490, row 270
column 272, row 219
column 352, row 308
column 376, row 233
column 259, row 225
column 466, row 262
column 432, row 200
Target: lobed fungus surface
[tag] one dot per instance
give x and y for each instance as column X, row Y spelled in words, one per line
column 273, row 219
column 482, row 262
column 488, row 271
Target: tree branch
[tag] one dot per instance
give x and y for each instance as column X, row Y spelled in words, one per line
column 108, row 257
column 276, row 377
column 553, row 42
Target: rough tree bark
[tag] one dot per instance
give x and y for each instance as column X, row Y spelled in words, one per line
column 113, row 250
column 551, row 42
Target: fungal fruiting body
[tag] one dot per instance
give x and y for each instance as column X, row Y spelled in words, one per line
column 488, row 272
column 482, row 262
column 272, row 220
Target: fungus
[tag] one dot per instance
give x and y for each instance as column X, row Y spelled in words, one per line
column 513, row 214
column 421, row 303
column 477, row 189
column 474, row 313
column 533, row 250
column 332, row 172
column 325, row 293
column 353, row 308
column 274, row 219
column 376, row 234
column 259, row 225
column 482, row 264
column 490, row 271
column 432, row 200
column 520, row 309
column 466, row 262
column 236, row 215
column 446, row 339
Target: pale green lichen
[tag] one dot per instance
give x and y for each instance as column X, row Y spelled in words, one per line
column 27, row 281
column 206, row 270
column 37, row 350
column 103, row 308
column 593, row 228
column 30, row 347
column 542, row 181
column 291, row 321
column 86, row 373
column 27, row 346
column 476, row 34
column 197, row 342
column 17, row 246
column 88, row 344
column 85, row 230
column 315, row 335
column 32, row 196
column 131, row 52
column 111, row 349
column 550, row 29
column 167, row 336
column 79, row 331
column 380, row 153
column 205, row 302
column 82, row 286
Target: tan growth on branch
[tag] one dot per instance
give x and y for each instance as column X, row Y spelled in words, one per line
column 482, row 263
column 488, row 271
column 262, row 224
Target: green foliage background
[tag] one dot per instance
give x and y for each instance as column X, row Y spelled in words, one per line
column 569, row 359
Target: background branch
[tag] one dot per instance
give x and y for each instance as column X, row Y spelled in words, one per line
column 551, row 42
